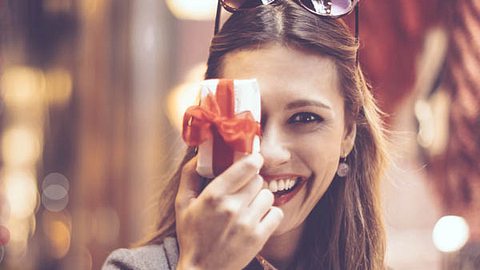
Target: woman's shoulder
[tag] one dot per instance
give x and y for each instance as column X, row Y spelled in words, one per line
column 161, row 257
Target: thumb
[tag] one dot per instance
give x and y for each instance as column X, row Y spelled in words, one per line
column 190, row 184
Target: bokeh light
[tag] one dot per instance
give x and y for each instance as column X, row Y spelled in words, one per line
column 184, row 95
column 55, row 205
column 450, row 233
column 55, row 192
column 23, row 93
column 90, row 7
column 55, row 188
column 58, row 86
column 20, row 146
column 20, row 231
column 21, row 193
column 22, row 86
column 56, row 178
column 193, row 9
column 57, row 228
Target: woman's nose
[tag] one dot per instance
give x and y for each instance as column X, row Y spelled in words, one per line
column 274, row 148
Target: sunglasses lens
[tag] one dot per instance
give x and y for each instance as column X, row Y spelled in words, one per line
column 245, row 4
column 332, row 8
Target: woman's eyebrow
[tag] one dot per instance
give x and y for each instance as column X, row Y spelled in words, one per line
column 306, row 102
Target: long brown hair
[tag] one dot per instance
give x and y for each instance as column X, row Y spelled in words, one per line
column 344, row 230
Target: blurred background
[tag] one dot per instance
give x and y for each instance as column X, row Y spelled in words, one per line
column 92, row 92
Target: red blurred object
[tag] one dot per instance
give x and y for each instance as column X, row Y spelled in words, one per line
column 456, row 171
column 391, row 37
column 4, row 235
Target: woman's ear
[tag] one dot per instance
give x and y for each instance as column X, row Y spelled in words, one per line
column 348, row 138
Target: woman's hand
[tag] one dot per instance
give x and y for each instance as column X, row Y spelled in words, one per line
column 227, row 224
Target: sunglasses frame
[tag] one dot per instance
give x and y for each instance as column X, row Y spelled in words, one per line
column 221, row 3
column 233, row 10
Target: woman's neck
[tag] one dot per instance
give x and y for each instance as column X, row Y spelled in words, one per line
column 280, row 249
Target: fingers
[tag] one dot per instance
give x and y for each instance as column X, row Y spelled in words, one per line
column 249, row 191
column 261, row 214
column 237, row 176
column 270, row 221
column 260, row 205
column 190, row 184
column 258, row 208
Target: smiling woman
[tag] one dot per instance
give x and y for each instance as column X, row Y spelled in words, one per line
column 309, row 200
column 304, row 128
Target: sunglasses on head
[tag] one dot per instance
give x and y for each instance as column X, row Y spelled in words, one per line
column 324, row 8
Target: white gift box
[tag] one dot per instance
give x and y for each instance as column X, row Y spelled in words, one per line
column 246, row 98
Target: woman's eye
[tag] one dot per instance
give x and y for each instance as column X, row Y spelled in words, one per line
column 304, row 117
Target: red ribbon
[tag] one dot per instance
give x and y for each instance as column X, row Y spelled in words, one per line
column 215, row 119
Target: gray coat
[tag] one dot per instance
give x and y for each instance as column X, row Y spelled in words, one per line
column 158, row 257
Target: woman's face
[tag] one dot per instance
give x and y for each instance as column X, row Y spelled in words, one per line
column 304, row 131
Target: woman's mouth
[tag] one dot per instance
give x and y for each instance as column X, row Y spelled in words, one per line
column 284, row 188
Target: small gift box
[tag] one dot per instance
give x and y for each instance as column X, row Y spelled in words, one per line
column 226, row 124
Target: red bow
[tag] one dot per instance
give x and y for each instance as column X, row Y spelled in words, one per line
column 237, row 131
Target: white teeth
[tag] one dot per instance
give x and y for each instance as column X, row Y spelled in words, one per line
column 280, row 185
column 273, row 186
column 287, row 184
column 291, row 183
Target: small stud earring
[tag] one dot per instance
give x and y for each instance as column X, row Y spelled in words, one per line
column 343, row 167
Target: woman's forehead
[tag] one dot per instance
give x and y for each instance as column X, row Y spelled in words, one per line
column 285, row 70
column 278, row 61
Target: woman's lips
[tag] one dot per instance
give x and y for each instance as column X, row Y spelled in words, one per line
column 284, row 187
